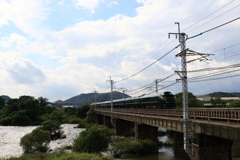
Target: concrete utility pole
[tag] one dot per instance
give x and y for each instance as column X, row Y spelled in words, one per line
column 124, row 92
column 95, row 97
column 156, row 83
column 187, row 131
column 111, row 83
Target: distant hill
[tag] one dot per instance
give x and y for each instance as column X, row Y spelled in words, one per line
column 5, row 97
column 222, row 94
column 59, row 101
column 90, row 98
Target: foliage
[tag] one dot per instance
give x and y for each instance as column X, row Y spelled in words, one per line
column 94, row 139
column 192, row 101
column 58, row 115
column 82, row 111
column 2, row 103
column 24, row 111
column 234, row 104
column 218, row 102
column 134, row 148
column 59, row 155
column 91, row 116
column 36, row 141
column 53, row 127
column 70, row 111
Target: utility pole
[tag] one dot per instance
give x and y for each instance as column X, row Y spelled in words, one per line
column 124, row 92
column 111, row 83
column 95, row 97
column 186, row 128
column 156, row 83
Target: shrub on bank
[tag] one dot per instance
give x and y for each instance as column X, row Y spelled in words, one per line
column 54, row 128
column 141, row 147
column 36, row 141
column 94, row 139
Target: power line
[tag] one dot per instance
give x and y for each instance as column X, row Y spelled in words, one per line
column 213, row 28
column 149, row 65
column 215, row 18
column 208, row 15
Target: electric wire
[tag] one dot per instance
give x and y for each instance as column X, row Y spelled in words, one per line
column 148, row 65
column 214, row 18
column 213, row 28
column 208, row 15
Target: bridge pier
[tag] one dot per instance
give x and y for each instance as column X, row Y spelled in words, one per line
column 212, row 148
column 100, row 119
column 122, row 126
column 107, row 121
column 143, row 131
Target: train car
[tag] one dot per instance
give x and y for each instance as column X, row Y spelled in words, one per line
column 165, row 101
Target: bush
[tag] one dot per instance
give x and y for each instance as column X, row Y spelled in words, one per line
column 54, row 128
column 134, row 148
column 36, row 141
column 82, row 111
column 94, row 139
column 58, row 115
column 91, row 116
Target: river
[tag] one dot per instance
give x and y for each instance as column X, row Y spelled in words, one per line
column 175, row 153
column 10, row 137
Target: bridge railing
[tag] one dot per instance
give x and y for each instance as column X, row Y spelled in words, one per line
column 222, row 114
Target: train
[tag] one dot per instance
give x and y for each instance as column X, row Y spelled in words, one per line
column 166, row 100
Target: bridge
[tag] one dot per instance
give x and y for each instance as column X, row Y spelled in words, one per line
column 214, row 130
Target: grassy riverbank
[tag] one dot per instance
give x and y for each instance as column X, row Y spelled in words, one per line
column 60, row 155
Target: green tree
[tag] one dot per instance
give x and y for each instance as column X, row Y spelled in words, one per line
column 192, row 100
column 218, row 102
column 36, row 141
column 71, row 111
column 82, row 111
column 234, row 104
column 2, row 103
column 58, row 115
column 53, row 127
column 91, row 116
column 42, row 104
column 94, row 139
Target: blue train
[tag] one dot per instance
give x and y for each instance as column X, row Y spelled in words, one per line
column 165, row 101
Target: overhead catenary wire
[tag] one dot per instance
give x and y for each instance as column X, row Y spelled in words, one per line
column 208, row 16
column 215, row 18
column 149, row 65
column 213, row 28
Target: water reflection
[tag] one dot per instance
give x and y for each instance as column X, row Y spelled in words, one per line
column 164, row 153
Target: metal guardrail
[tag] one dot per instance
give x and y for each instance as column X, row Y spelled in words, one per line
column 218, row 114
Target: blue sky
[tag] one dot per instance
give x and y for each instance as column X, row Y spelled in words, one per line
column 61, row 48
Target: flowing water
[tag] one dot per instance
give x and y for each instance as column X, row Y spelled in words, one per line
column 10, row 137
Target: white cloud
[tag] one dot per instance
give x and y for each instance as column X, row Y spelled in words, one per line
column 89, row 4
column 27, row 15
column 88, row 52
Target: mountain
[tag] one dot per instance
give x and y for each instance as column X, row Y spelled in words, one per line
column 90, row 98
column 58, row 101
column 222, row 94
column 5, row 97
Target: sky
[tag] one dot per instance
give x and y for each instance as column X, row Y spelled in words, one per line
column 58, row 49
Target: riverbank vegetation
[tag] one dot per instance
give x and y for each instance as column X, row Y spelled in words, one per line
column 60, row 155
column 28, row 111
column 126, row 147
